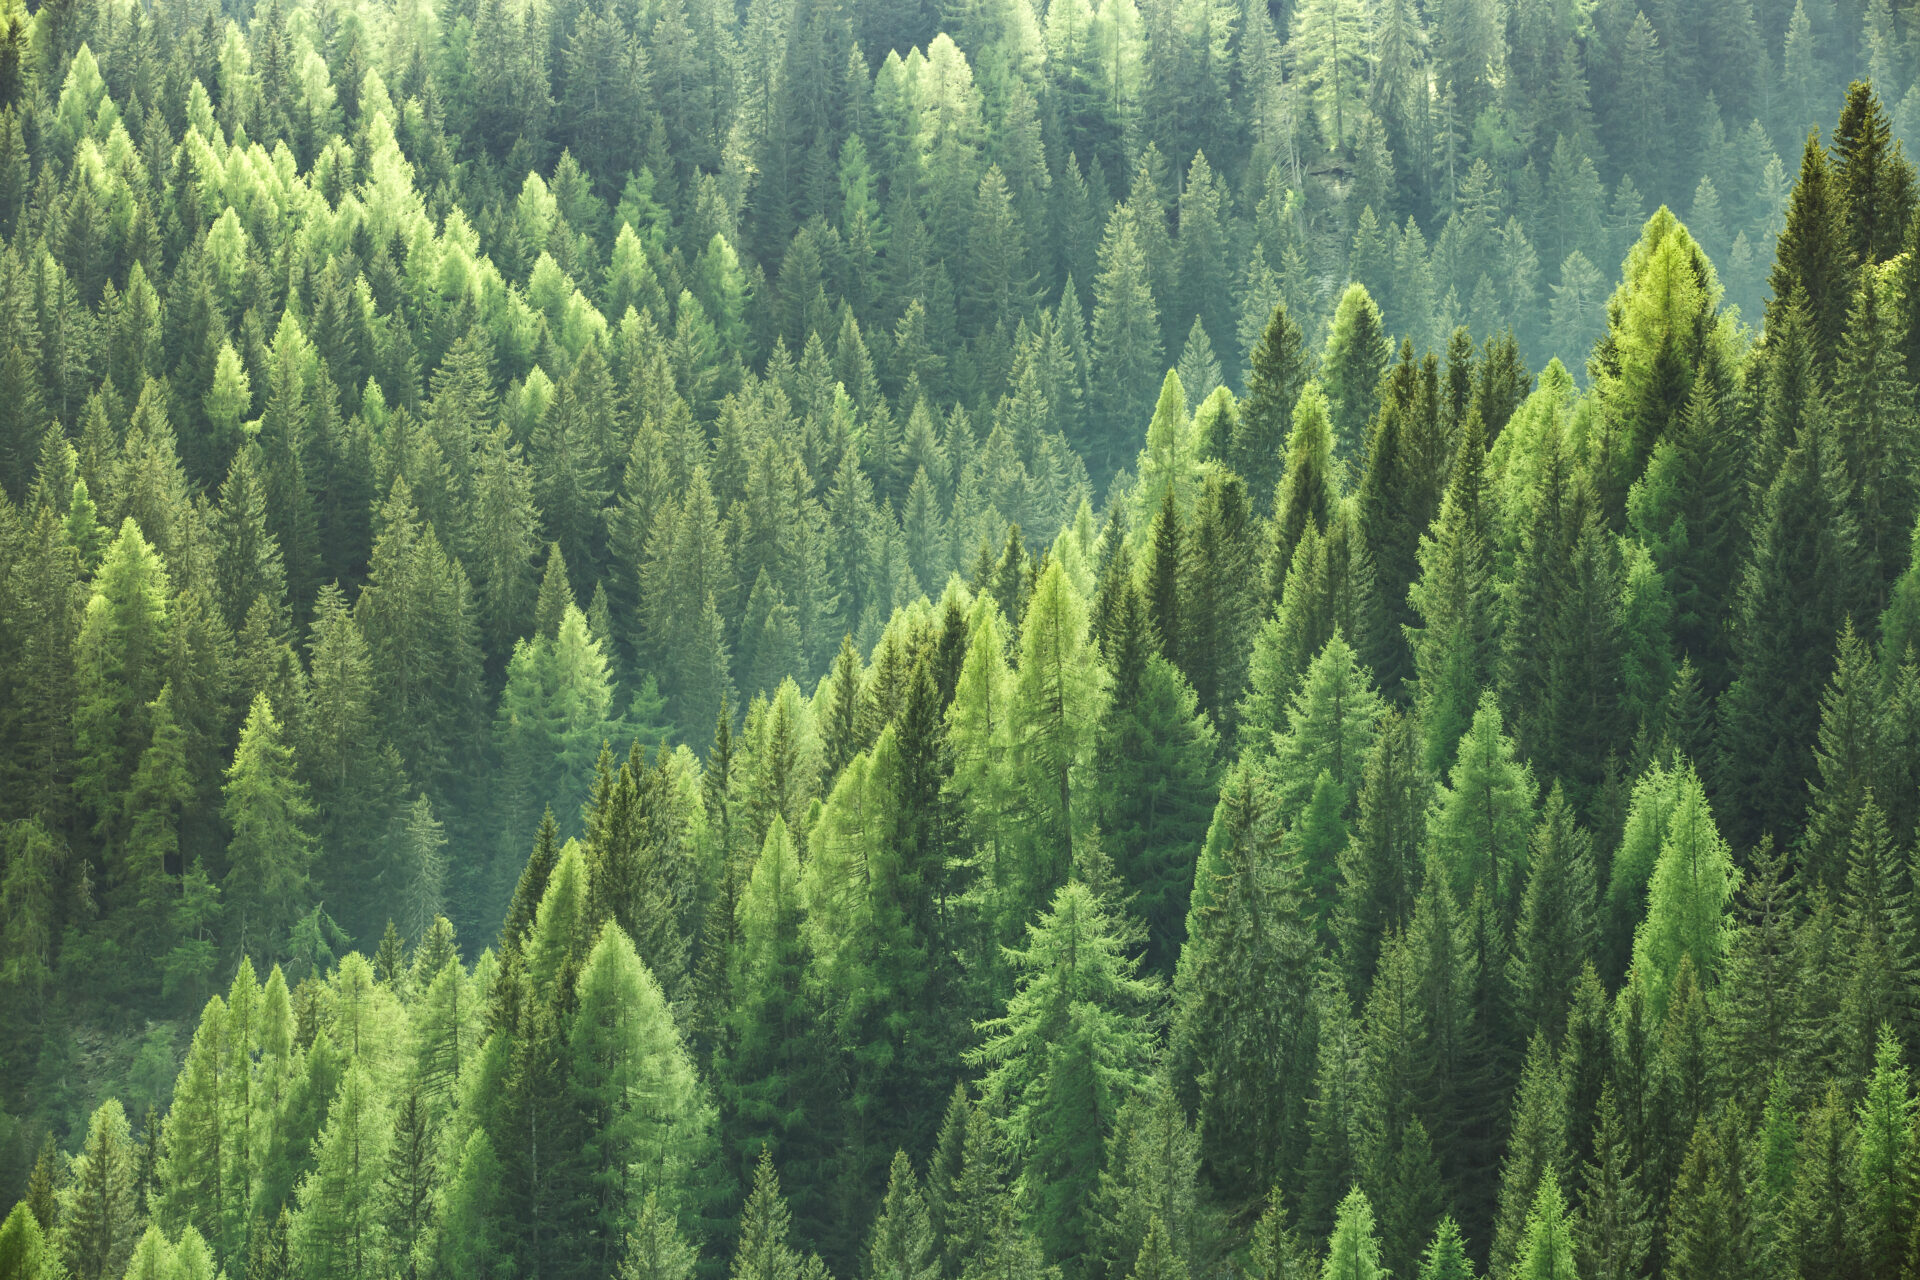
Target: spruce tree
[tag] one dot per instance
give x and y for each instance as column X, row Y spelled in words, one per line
column 1883, row 1175
column 764, row 1252
column 902, row 1246
column 1243, row 998
column 1453, row 648
column 1309, row 486
column 1356, row 357
column 1613, row 1231
column 1554, row 933
column 267, row 883
column 1065, row 1057
column 1277, row 374
column 1536, row 1157
column 99, row 1221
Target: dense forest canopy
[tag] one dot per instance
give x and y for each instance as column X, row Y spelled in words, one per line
column 1139, row 640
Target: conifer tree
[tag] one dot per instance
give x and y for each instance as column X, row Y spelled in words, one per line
column 902, row 1245
column 645, row 1113
column 1687, row 899
column 1380, row 868
column 1277, row 373
column 1154, row 767
column 99, row 1221
column 1883, row 1174
column 1242, row 997
column 24, row 1253
column 1612, row 1232
column 337, row 1228
column 1553, row 936
column 764, row 1252
column 1309, row 486
column 1446, row 1257
column 1353, row 1251
column 1536, row 1156
column 1398, row 494
column 654, row 1248
column 1065, row 1058
column 269, row 858
column 1481, row 821
column 1220, row 603
column 1873, row 180
column 119, row 668
column 1548, row 1253
column 1356, row 356
column 1151, row 1180
column 158, row 797
column 1126, row 337
column 770, row 1088
column 1453, row 648
column 1054, row 713
column 1709, row 1231
column 1157, row 1260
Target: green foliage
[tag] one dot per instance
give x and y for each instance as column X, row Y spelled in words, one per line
column 1693, row 882
column 316, row 325
column 266, row 807
column 1065, row 1058
column 1481, row 820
